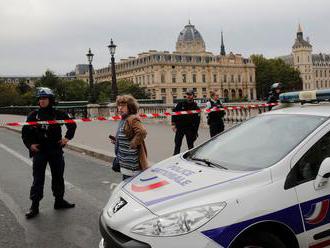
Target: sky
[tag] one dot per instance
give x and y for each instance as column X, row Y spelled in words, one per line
column 36, row 35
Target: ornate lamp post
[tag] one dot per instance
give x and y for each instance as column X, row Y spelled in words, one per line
column 91, row 97
column 114, row 88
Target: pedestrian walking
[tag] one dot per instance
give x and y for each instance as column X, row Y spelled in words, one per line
column 130, row 148
column 215, row 118
column 186, row 125
column 45, row 144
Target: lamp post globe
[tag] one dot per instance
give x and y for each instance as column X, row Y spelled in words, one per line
column 114, row 88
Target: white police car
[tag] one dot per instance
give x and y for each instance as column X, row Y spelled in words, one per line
column 263, row 184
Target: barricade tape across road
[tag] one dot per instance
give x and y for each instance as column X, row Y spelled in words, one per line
column 144, row 116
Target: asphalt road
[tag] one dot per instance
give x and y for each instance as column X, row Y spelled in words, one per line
column 88, row 183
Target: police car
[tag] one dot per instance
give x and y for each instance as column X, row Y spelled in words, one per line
column 264, row 183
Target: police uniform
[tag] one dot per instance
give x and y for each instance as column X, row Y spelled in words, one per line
column 186, row 125
column 50, row 151
column 215, row 118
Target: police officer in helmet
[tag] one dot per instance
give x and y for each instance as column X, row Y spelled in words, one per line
column 45, row 144
column 274, row 94
column 186, row 125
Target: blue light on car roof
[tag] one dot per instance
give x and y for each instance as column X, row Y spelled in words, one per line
column 306, row 96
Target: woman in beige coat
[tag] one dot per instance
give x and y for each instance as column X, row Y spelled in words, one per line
column 130, row 148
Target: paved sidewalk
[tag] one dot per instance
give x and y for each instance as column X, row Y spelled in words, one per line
column 92, row 138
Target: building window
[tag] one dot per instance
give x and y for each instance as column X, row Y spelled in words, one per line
column 195, row 90
column 203, row 78
column 173, row 90
column 163, row 90
column 194, row 78
column 233, row 94
column 298, row 59
column 214, row 78
column 240, row 93
column 239, row 78
column 204, row 90
column 232, row 78
column 225, row 78
column 184, row 78
column 173, row 79
column 251, row 94
column 251, row 79
column 184, row 90
column 225, row 94
column 162, row 78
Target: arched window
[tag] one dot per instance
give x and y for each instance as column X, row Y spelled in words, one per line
column 240, row 93
column 233, row 94
column 226, row 94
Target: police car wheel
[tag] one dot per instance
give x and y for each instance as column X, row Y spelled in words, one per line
column 258, row 240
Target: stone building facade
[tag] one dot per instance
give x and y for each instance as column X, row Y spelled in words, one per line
column 314, row 68
column 168, row 75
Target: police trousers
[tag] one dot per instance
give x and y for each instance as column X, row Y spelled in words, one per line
column 216, row 128
column 56, row 164
column 190, row 137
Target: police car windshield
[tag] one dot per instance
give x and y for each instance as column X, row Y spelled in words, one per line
column 259, row 142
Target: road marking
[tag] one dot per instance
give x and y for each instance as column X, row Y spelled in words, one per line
column 29, row 162
column 68, row 185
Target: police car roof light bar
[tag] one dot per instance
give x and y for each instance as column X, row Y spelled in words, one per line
column 313, row 96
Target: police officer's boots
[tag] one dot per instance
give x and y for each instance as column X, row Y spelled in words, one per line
column 60, row 203
column 34, row 210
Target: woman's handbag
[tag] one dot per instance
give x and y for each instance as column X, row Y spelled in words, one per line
column 115, row 165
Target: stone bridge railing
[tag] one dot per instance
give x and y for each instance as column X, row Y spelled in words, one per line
column 93, row 110
column 231, row 117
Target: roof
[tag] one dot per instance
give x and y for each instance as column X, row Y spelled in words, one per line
column 321, row 109
column 189, row 33
column 320, row 58
column 301, row 43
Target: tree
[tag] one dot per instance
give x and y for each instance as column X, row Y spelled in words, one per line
column 23, row 87
column 269, row 71
column 50, row 80
column 75, row 90
column 103, row 90
column 9, row 95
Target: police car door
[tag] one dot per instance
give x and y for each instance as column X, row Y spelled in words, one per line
column 314, row 203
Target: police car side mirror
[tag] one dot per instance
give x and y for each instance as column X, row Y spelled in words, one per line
column 323, row 175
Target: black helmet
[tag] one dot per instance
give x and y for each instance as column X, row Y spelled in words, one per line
column 190, row 92
column 276, row 86
column 45, row 92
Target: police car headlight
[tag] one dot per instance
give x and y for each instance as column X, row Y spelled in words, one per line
column 180, row 222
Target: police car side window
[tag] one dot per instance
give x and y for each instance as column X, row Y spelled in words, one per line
column 307, row 167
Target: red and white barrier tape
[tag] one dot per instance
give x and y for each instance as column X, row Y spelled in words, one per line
column 144, row 116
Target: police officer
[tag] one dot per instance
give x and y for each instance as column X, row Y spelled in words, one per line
column 45, row 143
column 215, row 118
column 186, row 125
column 274, row 94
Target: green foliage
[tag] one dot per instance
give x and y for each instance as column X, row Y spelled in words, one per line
column 75, row 90
column 269, row 71
column 23, row 87
column 65, row 90
column 10, row 95
column 103, row 90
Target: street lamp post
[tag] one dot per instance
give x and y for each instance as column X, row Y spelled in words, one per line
column 91, row 97
column 114, row 88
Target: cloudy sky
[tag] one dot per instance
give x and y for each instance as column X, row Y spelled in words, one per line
column 36, row 35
